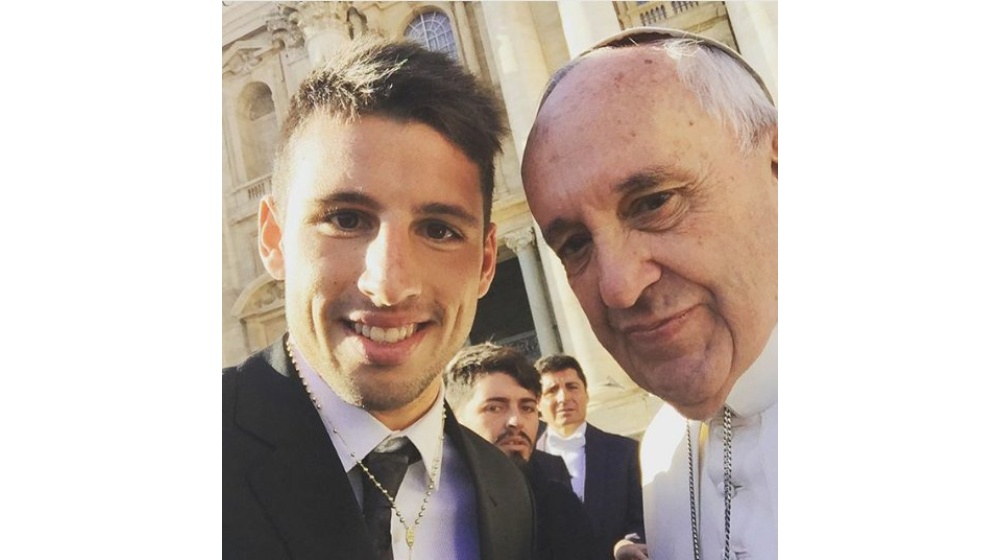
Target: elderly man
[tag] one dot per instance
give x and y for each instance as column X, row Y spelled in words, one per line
column 652, row 171
column 494, row 391
column 337, row 442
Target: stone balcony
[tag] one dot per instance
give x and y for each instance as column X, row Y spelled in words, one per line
column 658, row 13
column 246, row 198
column 706, row 18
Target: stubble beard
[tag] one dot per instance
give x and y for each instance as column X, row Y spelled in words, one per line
column 381, row 396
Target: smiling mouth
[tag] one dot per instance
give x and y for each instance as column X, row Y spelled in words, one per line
column 657, row 330
column 386, row 335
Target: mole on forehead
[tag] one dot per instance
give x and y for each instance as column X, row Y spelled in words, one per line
column 626, row 69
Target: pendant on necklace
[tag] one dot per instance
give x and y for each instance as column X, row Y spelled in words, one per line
column 410, row 537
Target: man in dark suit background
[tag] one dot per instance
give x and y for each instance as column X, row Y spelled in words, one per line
column 604, row 467
column 494, row 391
column 337, row 441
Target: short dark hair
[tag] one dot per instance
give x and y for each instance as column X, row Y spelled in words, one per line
column 472, row 363
column 559, row 362
column 404, row 81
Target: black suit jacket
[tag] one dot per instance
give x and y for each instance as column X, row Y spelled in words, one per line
column 551, row 467
column 564, row 529
column 285, row 494
column 613, row 489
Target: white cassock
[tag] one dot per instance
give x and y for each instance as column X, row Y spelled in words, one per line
column 754, row 510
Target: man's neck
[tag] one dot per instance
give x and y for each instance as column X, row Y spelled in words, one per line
column 565, row 430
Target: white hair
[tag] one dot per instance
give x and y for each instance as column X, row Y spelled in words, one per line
column 721, row 84
column 724, row 89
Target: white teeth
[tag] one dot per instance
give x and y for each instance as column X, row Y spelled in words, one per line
column 388, row 335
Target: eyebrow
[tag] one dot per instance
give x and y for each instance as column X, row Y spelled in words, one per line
column 641, row 180
column 505, row 399
column 430, row 209
column 348, row 197
column 451, row 210
column 644, row 179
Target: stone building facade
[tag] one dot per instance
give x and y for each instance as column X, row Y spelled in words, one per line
column 269, row 47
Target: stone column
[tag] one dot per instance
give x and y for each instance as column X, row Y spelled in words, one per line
column 520, row 64
column 585, row 23
column 464, row 27
column 522, row 242
column 324, row 26
column 755, row 25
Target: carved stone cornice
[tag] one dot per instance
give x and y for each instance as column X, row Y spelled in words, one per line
column 519, row 239
column 284, row 33
column 243, row 57
column 260, row 296
column 316, row 17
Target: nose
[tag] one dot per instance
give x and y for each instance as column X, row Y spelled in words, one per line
column 514, row 421
column 389, row 276
column 560, row 395
column 625, row 269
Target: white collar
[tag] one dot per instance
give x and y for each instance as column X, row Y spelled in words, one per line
column 579, row 433
column 361, row 431
column 757, row 389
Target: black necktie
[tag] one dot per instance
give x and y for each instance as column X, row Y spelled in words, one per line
column 388, row 463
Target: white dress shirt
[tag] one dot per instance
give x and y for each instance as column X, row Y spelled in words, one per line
column 754, row 510
column 445, row 531
column 573, row 452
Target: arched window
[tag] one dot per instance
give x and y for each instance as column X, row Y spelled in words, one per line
column 433, row 30
column 258, row 129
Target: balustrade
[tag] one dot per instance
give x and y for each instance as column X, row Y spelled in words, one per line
column 525, row 343
column 246, row 197
column 657, row 13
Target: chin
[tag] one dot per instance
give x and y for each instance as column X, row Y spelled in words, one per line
column 521, row 460
column 695, row 390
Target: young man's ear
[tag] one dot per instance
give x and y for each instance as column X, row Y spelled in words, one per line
column 489, row 260
column 269, row 238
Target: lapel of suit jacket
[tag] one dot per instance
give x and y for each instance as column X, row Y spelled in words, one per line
column 594, row 485
column 486, row 501
column 301, row 484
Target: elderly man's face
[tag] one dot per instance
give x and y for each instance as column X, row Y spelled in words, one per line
column 384, row 253
column 668, row 234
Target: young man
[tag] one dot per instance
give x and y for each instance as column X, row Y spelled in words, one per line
column 337, row 442
column 494, row 391
column 604, row 467
column 652, row 170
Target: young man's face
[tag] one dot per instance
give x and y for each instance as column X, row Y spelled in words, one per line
column 504, row 413
column 384, row 254
column 667, row 232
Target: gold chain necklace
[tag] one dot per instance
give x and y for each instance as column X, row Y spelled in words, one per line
column 727, row 461
column 411, row 536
